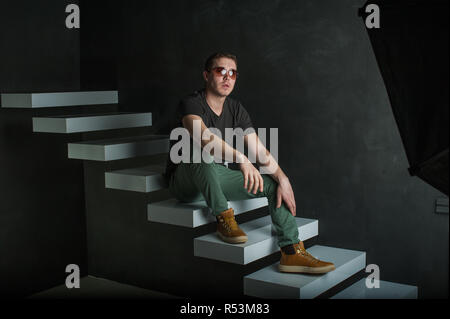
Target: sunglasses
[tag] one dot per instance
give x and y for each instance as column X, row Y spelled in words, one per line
column 221, row 71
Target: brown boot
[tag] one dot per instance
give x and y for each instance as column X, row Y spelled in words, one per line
column 302, row 262
column 227, row 228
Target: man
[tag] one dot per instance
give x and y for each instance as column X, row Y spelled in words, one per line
column 215, row 183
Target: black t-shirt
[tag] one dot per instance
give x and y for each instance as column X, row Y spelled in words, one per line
column 233, row 116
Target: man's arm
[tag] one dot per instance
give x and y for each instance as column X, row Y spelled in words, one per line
column 227, row 153
column 265, row 159
column 252, row 177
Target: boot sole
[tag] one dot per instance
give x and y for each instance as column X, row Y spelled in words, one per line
column 304, row 269
column 233, row 240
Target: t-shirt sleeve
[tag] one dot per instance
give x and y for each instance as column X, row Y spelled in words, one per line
column 190, row 106
column 243, row 119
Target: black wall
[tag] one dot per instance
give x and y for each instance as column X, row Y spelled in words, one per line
column 308, row 69
column 42, row 221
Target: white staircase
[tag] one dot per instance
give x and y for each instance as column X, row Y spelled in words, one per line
column 267, row 282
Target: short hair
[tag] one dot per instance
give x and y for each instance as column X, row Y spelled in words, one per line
column 210, row 60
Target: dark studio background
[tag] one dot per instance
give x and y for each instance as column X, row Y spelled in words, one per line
column 307, row 68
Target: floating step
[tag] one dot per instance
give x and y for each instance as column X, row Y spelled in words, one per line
column 262, row 241
column 195, row 214
column 269, row 282
column 119, row 148
column 37, row 100
column 89, row 123
column 140, row 179
column 386, row 290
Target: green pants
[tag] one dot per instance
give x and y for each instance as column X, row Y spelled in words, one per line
column 217, row 184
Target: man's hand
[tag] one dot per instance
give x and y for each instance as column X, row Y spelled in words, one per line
column 252, row 177
column 286, row 194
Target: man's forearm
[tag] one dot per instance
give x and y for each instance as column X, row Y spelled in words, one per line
column 258, row 151
column 272, row 167
column 209, row 142
column 220, row 149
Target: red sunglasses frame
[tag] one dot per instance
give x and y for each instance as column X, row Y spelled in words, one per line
column 218, row 71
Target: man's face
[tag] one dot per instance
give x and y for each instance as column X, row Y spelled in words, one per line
column 221, row 85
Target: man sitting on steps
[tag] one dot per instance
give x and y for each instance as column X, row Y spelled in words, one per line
column 217, row 184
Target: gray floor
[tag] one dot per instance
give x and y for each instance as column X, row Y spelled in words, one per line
column 99, row 288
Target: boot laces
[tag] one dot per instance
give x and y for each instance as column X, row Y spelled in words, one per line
column 306, row 254
column 229, row 223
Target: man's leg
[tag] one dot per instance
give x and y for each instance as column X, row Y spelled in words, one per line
column 232, row 183
column 217, row 184
column 198, row 181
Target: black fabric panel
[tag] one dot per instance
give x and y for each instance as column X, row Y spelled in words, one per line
column 411, row 48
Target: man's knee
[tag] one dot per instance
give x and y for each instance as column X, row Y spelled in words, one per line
column 270, row 186
column 202, row 169
column 200, row 166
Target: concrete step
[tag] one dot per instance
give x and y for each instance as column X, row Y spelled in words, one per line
column 140, row 179
column 262, row 241
column 387, row 290
column 195, row 214
column 38, row 100
column 271, row 283
column 119, row 148
column 88, row 123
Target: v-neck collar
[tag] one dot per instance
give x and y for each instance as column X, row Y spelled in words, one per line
column 207, row 105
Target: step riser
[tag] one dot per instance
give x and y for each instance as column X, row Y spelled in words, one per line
column 40, row 100
column 179, row 217
column 142, row 184
column 242, row 255
column 86, row 152
column 141, row 179
column 117, row 151
column 90, row 124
